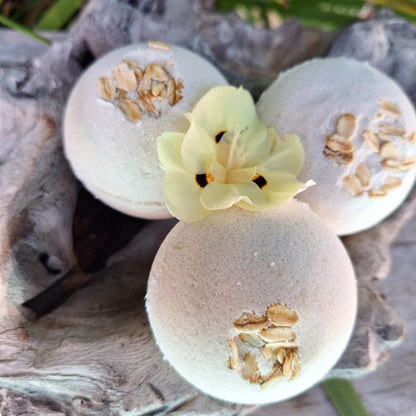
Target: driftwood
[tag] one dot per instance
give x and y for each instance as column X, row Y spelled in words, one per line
column 65, row 253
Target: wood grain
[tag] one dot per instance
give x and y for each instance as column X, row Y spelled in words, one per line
column 94, row 354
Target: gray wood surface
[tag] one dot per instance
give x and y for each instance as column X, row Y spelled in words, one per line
column 93, row 353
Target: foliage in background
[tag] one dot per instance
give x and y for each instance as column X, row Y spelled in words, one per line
column 24, row 15
column 59, row 14
column 344, row 398
column 41, row 14
column 329, row 14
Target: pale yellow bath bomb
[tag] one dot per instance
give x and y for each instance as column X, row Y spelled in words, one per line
column 358, row 130
column 116, row 112
column 208, row 273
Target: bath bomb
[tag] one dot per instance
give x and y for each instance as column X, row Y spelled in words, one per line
column 357, row 128
column 252, row 307
column 118, row 108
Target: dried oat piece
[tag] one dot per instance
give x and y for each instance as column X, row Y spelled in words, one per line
column 162, row 95
column 106, row 88
column 390, row 183
column 407, row 163
column 252, row 339
column 392, row 129
column 385, row 137
column 124, row 77
column 171, row 91
column 271, row 379
column 179, row 90
column 338, row 143
column 146, row 104
column 269, row 353
column 277, row 333
column 139, row 74
column 341, row 158
column 250, row 322
column 233, row 359
column 371, row 139
column 363, row 173
column 388, row 132
column 121, row 94
column 131, row 110
column 352, row 184
column 389, row 109
column 156, row 72
column 346, row 126
column 281, row 344
column 131, row 64
column 388, row 151
column 412, row 136
column 145, row 84
column 281, row 354
column 158, row 45
column 291, row 366
column 391, row 164
column 157, row 89
column 376, row 193
column 250, row 368
column 280, row 315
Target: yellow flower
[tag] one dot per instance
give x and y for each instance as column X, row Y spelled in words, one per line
column 228, row 157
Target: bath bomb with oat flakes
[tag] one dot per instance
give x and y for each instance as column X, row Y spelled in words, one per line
column 357, row 129
column 252, row 307
column 118, row 108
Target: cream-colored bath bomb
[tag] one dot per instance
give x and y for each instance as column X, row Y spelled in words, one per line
column 358, row 131
column 118, row 108
column 252, row 307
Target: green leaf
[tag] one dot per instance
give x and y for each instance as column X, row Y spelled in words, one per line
column 59, row 14
column 407, row 7
column 13, row 25
column 329, row 14
column 344, row 398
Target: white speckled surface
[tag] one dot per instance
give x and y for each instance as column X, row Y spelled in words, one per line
column 115, row 158
column 207, row 273
column 307, row 100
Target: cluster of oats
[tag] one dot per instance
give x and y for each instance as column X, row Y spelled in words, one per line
column 272, row 336
column 384, row 141
column 137, row 90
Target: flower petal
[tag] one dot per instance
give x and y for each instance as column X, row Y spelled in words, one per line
column 281, row 186
column 287, row 154
column 253, row 136
column 169, row 150
column 221, row 196
column 182, row 196
column 218, row 171
column 228, row 157
column 198, row 149
column 224, row 108
column 257, row 150
column 244, row 175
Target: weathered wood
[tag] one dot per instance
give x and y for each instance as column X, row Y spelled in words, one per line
column 94, row 355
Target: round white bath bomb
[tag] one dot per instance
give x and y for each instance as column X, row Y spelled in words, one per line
column 110, row 149
column 361, row 185
column 208, row 273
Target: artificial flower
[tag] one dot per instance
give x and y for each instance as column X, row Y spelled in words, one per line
column 228, row 157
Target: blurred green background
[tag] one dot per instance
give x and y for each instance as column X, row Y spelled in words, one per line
column 329, row 14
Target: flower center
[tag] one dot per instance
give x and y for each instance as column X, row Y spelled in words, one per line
column 259, row 180
column 229, row 150
column 219, row 135
column 203, row 179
